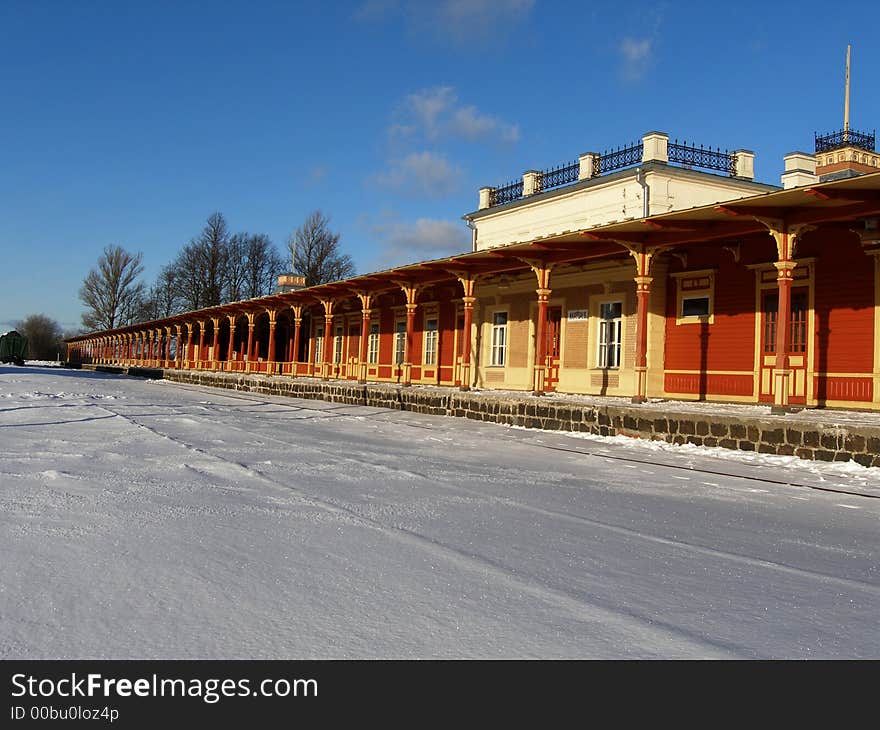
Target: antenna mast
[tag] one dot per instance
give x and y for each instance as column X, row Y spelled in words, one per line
column 846, row 99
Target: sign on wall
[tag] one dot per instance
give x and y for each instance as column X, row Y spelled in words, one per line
column 575, row 315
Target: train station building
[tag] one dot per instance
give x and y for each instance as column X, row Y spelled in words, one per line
column 656, row 270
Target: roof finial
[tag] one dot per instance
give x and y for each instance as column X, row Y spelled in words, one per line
column 846, row 99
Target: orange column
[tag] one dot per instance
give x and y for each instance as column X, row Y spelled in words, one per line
column 297, row 326
column 215, row 347
column 539, row 368
column 178, row 351
column 469, row 285
column 189, row 343
column 411, row 292
column 366, row 313
column 328, row 346
column 200, row 354
column 249, row 354
column 327, row 365
column 167, row 345
column 229, row 349
column 784, row 278
column 270, row 354
column 643, row 296
column 786, row 238
column 407, row 355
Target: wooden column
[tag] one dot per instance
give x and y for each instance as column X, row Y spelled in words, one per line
column 643, row 280
column 178, row 352
column 411, row 292
column 786, row 238
column 539, row 365
column 249, row 353
column 297, row 327
column 167, row 346
column 327, row 365
column 270, row 354
column 230, row 347
column 189, row 344
column 215, row 347
column 201, row 353
column 468, row 283
column 366, row 313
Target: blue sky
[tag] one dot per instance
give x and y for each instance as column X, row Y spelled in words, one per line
column 130, row 123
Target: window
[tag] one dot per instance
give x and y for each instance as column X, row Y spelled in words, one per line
column 610, row 319
column 430, row 342
column 400, row 343
column 499, row 338
column 319, row 344
column 695, row 306
column 373, row 344
column 695, row 297
column 797, row 342
column 337, row 345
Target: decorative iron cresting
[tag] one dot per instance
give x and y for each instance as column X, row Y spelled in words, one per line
column 693, row 156
column 845, row 138
column 506, row 193
column 617, row 159
column 554, row 177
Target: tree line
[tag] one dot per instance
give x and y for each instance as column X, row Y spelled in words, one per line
column 215, row 267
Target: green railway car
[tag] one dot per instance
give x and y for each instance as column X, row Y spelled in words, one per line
column 13, row 348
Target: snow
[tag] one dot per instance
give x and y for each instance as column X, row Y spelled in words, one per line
column 146, row 519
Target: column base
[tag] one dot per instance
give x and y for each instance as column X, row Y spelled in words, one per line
column 464, row 387
column 783, row 410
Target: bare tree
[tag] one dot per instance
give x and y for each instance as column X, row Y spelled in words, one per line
column 315, row 252
column 236, row 264
column 162, row 299
column 201, row 265
column 263, row 264
column 44, row 336
column 111, row 291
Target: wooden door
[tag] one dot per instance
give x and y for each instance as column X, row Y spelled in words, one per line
column 554, row 338
column 797, row 342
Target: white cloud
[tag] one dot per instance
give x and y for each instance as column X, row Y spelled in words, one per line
column 462, row 20
column 637, row 55
column 375, row 9
column 470, row 124
column 422, row 174
column 436, row 113
column 458, row 22
column 424, row 239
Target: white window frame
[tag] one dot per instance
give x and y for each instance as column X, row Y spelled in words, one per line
column 319, row 344
column 498, row 342
column 399, row 341
column 432, row 338
column 606, row 345
column 373, row 344
column 694, row 285
column 337, row 343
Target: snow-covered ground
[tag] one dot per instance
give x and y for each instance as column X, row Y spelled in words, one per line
column 148, row 519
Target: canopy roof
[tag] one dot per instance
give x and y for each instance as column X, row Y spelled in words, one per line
column 840, row 200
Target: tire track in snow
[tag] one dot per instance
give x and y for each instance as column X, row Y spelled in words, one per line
column 581, row 452
column 739, row 558
column 640, row 630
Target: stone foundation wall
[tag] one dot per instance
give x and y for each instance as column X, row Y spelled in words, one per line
column 770, row 435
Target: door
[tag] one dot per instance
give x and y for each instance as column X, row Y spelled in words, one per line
column 797, row 343
column 459, row 347
column 353, row 351
column 554, row 336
